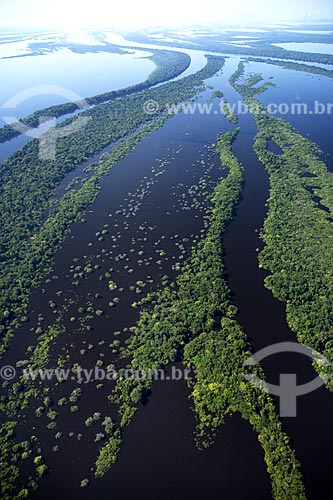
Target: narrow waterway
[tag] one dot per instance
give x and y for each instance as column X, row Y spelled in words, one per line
column 263, row 318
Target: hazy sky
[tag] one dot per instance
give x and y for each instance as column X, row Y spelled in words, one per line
column 167, row 12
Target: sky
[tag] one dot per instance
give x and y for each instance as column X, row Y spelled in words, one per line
column 144, row 13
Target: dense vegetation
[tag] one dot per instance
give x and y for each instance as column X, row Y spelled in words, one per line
column 264, row 47
column 33, row 255
column 168, row 65
column 306, row 68
column 51, row 334
column 36, row 255
column 229, row 113
column 219, row 390
column 298, row 230
column 191, row 319
column 27, row 184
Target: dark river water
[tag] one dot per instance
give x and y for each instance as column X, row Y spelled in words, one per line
column 263, row 317
column 159, row 458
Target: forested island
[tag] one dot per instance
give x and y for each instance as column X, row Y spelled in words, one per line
column 306, row 68
column 298, row 231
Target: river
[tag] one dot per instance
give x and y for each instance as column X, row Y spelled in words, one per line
column 159, row 458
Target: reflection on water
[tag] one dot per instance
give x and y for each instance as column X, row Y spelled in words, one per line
column 85, row 74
